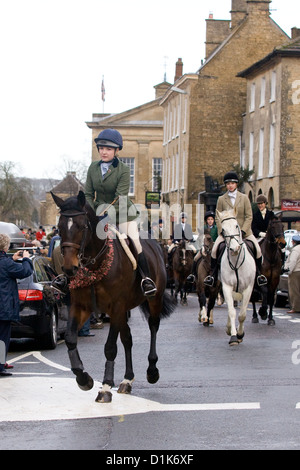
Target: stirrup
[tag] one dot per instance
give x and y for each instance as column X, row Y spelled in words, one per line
column 191, row 278
column 60, row 284
column 148, row 287
column 209, row 281
column 261, row 280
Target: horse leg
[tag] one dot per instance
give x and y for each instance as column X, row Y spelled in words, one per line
column 271, row 320
column 83, row 379
column 230, row 327
column 203, row 311
column 110, row 351
column 263, row 311
column 210, row 308
column 126, row 338
column 254, row 314
column 152, row 371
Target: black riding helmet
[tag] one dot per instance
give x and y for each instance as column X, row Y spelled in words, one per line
column 231, row 176
column 209, row 214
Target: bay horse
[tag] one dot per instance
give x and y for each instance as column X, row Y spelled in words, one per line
column 237, row 274
column 271, row 267
column 182, row 265
column 206, row 295
column 99, row 263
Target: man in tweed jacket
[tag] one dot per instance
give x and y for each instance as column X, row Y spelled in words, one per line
column 230, row 200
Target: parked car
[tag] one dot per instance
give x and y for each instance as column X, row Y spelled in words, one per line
column 282, row 293
column 43, row 314
column 17, row 237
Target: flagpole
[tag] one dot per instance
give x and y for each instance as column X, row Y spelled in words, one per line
column 103, row 93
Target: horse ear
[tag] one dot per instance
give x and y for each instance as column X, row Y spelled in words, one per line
column 58, row 201
column 81, row 198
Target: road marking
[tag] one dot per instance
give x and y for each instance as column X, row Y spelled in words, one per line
column 38, row 355
column 46, row 399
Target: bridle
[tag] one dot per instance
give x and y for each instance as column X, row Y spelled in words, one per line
column 237, row 237
column 83, row 261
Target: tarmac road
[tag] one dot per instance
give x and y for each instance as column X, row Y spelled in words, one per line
column 210, row 396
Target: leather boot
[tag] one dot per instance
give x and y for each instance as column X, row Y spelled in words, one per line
column 260, row 278
column 147, row 285
column 212, row 278
column 192, row 277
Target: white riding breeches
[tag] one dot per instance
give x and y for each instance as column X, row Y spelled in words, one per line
column 131, row 229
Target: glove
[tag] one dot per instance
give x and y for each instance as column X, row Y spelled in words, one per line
column 102, row 217
column 243, row 234
column 262, row 234
column 104, row 221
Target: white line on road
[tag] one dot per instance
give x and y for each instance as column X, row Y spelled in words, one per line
column 45, row 398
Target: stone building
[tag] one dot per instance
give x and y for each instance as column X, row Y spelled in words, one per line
column 271, row 131
column 68, row 186
column 216, row 101
column 142, row 132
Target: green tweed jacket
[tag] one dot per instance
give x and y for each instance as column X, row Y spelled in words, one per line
column 102, row 191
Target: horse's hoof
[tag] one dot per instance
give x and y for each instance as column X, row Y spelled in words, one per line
column 153, row 378
column 240, row 337
column 255, row 320
column 263, row 313
column 271, row 322
column 233, row 341
column 124, row 388
column 211, row 322
column 205, row 323
column 104, row 397
column 85, row 381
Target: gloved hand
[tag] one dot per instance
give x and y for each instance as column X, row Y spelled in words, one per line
column 262, row 234
column 243, row 234
column 102, row 217
column 104, row 221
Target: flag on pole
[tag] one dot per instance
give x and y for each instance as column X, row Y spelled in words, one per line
column 103, row 90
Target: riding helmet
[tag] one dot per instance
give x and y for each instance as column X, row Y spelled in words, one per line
column 231, row 176
column 261, row 198
column 209, row 214
column 109, row 138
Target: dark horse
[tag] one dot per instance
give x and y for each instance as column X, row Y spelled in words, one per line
column 206, row 295
column 98, row 265
column 182, row 264
column 271, row 247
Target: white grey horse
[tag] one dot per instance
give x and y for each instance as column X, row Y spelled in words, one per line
column 237, row 274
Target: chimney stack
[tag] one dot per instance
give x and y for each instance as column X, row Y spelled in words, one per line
column 178, row 69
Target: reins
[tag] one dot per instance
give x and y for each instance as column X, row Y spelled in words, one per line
column 235, row 267
column 83, row 261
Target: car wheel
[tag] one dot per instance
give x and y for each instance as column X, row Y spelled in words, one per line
column 49, row 339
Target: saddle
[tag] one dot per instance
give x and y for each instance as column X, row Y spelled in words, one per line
column 127, row 245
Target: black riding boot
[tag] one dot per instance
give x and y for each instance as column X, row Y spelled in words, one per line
column 148, row 286
column 212, row 278
column 260, row 278
column 192, row 277
column 60, row 284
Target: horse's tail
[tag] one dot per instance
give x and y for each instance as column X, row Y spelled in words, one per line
column 168, row 306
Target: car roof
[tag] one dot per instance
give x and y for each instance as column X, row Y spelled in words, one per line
column 13, row 232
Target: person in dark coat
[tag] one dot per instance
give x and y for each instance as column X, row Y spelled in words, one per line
column 10, row 271
column 261, row 218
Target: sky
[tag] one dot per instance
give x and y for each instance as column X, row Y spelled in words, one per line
column 54, row 55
